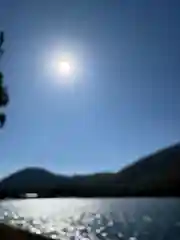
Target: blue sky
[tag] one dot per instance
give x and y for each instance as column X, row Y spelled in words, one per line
column 124, row 102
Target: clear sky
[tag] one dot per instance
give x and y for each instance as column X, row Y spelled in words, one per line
column 124, row 100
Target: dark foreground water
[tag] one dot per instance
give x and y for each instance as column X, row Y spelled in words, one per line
column 96, row 219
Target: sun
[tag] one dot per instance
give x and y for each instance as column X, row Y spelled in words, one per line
column 65, row 68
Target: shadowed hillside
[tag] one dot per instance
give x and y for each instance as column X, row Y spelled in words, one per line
column 157, row 170
column 157, row 174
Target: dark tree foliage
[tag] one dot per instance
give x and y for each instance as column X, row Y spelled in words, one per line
column 4, row 98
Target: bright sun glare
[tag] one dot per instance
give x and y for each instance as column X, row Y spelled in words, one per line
column 62, row 68
column 65, row 68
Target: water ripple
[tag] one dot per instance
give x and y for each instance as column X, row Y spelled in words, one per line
column 94, row 225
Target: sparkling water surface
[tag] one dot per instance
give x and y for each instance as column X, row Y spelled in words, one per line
column 96, row 219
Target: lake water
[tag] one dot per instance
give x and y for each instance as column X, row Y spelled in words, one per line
column 96, row 219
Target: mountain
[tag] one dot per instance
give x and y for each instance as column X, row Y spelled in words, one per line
column 32, row 179
column 157, row 172
column 155, row 175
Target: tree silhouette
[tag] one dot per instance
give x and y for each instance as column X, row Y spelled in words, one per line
column 4, row 97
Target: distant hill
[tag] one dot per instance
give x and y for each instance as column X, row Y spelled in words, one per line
column 32, row 179
column 157, row 174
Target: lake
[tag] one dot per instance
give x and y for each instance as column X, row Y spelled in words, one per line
column 96, row 219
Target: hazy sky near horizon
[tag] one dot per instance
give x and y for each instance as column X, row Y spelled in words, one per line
column 122, row 100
